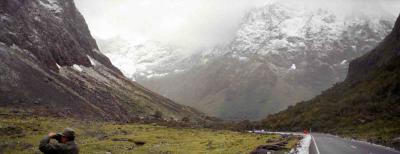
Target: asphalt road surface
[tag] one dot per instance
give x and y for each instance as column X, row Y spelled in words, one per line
column 329, row 144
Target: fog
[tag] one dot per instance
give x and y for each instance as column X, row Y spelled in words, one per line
column 197, row 23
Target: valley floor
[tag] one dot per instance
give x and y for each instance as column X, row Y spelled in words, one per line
column 21, row 133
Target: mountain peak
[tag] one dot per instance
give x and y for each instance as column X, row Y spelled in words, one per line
column 39, row 32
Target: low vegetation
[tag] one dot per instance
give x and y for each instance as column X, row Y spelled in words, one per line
column 367, row 109
column 21, row 133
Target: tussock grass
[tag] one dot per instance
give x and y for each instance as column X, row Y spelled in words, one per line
column 102, row 137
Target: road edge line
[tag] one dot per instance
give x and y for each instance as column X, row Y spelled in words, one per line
column 316, row 146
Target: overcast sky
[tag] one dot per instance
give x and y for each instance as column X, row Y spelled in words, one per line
column 193, row 23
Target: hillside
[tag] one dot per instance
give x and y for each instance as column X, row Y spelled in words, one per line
column 50, row 63
column 366, row 105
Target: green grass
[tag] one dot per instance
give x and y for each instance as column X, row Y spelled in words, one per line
column 99, row 137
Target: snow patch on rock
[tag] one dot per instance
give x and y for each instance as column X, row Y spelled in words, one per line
column 293, row 67
column 344, row 62
column 51, row 5
column 3, row 18
column 37, row 18
column 58, row 66
column 77, row 68
column 92, row 61
column 96, row 50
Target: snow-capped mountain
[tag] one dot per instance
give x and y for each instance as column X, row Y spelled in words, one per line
column 280, row 55
column 288, row 37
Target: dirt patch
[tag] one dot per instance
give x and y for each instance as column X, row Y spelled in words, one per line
column 137, row 143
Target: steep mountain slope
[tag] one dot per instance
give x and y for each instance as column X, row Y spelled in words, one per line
column 50, row 63
column 365, row 105
column 281, row 55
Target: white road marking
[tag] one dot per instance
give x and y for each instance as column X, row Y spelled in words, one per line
column 315, row 144
column 354, row 147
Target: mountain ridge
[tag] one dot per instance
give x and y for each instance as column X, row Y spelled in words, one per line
column 50, row 64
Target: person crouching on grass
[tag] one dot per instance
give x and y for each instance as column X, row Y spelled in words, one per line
column 66, row 143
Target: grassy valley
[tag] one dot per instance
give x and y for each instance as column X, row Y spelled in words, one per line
column 21, row 133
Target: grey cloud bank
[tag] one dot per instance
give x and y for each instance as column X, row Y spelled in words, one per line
column 198, row 23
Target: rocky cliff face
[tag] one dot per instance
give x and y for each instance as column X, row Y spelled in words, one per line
column 49, row 63
column 53, row 31
column 280, row 55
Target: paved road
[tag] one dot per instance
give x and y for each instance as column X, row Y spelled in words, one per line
column 329, row 144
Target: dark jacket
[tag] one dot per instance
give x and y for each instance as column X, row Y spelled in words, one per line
column 58, row 148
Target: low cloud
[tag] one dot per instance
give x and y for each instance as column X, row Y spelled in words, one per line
column 197, row 23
